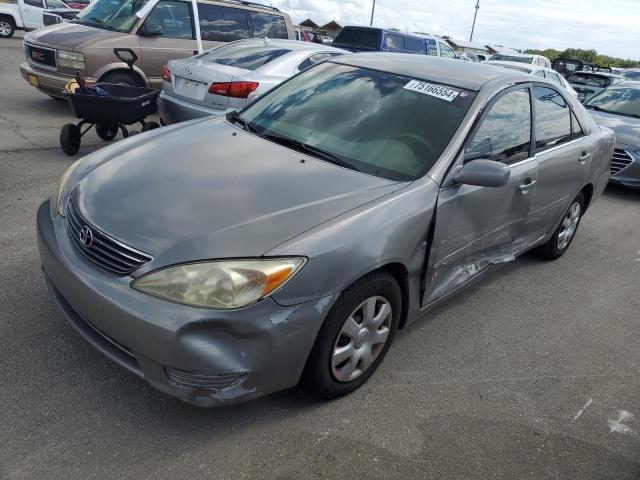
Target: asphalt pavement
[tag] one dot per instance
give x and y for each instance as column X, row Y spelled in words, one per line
column 534, row 373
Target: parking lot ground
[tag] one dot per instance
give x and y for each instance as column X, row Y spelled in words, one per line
column 534, row 373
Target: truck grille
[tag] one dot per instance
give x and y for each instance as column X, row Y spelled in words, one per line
column 104, row 251
column 42, row 56
column 620, row 161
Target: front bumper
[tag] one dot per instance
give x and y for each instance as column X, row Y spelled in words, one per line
column 51, row 82
column 628, row 176
column 173, row 110
column 204, row 357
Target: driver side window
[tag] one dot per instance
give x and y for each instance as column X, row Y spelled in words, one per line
column 505, row 132
column 174, row 17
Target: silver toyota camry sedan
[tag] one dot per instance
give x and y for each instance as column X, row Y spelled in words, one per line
column 232, row 75
column 226, row 258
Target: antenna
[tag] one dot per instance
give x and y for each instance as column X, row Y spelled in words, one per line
column 373, row 9
column 475, row 15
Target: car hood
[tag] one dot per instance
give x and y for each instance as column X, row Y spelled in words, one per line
column 627, row 129
column 215, row 191
column 70, row 36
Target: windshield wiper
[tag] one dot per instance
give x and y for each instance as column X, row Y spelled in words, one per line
column 233, row 117
column 310, row 150
column 95, row 22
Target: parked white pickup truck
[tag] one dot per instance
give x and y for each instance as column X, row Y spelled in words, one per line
column 24, row 14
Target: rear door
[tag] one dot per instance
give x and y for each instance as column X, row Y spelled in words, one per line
column 564, row 157
column 479, row 226
column 31, row 11
column 176, row 39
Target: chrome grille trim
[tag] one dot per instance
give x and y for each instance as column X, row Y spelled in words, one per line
column 106, row 252
column 621, row 160
column 216, row 382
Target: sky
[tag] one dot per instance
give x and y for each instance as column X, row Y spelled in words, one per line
column 612, row 27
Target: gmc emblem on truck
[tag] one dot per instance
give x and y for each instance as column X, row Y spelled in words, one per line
column 37, row 56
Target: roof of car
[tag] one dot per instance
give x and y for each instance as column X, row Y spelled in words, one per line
column 602, row 74
column 525, row 67
column 288, row 44
column 467, row 75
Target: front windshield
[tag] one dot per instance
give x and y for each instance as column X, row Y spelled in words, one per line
column 512, row 58
column 367, row 120
column 620, row 99
column 117, row 15
column 589, row 80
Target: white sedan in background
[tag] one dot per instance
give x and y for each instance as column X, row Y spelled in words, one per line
column 226, row 78
column 537, row 71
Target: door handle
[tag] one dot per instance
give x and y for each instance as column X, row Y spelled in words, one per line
column 584, row 157
column 524, row 188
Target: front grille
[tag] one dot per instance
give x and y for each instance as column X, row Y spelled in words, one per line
column 42, row 56
column 184, row 379
column 106, row 252
column 621, row 160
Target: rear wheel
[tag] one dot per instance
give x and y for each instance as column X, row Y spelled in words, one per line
column 106, row 132
column 355, row 336
column 7, row 27
column 70, row 139
column 150, row 126
column 564, row 234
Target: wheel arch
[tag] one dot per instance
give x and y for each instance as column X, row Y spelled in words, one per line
column 587, row 193
column 9, row 16
column 117, row 67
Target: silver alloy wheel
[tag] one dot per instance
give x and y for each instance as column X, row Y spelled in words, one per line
column 361, row 339
column 5, row 28
column 569, row 226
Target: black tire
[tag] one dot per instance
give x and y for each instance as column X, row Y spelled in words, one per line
column 107, row 132
column 7, row 27
column 120, row 76
column 318, row 375
column 150, row 126
column 553, row 249
column 70, row 139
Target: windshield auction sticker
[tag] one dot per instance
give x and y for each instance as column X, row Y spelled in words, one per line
column 438, row 91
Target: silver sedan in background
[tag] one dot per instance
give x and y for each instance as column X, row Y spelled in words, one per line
column 536, row 70
column 228, row 77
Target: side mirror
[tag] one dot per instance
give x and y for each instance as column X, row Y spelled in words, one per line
column 484, row 173
column 151, row 30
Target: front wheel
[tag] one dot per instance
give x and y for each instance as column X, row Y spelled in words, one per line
column 355, row 336
column 559, row 242
column 70, row 139
column 7, row 28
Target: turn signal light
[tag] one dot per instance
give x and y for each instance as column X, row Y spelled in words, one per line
column 166, row 73
column 233, row 89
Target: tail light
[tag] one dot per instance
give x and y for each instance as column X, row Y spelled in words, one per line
column 166, row 73
column 233, row 89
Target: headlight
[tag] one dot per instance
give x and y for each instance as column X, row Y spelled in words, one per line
column 72, row 60
column 61, row 186
column 221, row 285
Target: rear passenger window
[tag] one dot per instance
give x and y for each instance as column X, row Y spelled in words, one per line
column 554, row 78
column 539, row 73
column 35, row 3
column 446, row 51
column 174, row 17
column 267, row 25
column 394, row 42
column 505, row 133
column 553, row 118
column 222, row 24
column 576, row 129
column 312, row 60
column 413, row 44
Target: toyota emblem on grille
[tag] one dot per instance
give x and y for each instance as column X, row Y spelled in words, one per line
column 86, row 237
column 187, row 70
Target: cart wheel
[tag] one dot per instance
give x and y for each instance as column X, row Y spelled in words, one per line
column 106, row 132
column 150, row 126
column 70, row 139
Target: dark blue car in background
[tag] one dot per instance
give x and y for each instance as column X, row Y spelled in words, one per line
column 369, row 39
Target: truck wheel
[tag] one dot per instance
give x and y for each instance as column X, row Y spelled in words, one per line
column 7, row 27
column 119, row 76
column 70, row 139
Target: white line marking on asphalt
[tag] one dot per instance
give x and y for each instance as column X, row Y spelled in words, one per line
column 618, row 426
column 581, row 411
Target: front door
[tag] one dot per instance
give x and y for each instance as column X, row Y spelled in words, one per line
column 31, row 11
column 173, row 40
column 480, row 226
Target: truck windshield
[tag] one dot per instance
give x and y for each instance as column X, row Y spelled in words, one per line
column 116, row 15
column 380, row 123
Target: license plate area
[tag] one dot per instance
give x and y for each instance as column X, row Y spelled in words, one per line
column 189, row 88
